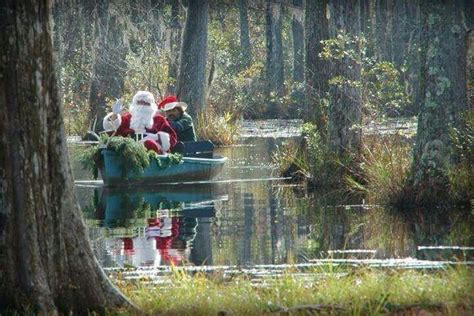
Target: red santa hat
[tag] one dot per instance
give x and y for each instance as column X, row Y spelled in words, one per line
column 168, row 99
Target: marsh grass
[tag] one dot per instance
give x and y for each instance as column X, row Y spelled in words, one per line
column 357, row 292
column 220, row 129
column 383, row 169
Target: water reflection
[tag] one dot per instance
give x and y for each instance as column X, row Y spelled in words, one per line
column 259, row 222
column 160, row 226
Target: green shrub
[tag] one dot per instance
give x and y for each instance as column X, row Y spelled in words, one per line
column 380, row 83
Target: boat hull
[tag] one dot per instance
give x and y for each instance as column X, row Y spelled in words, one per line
column 190, row 169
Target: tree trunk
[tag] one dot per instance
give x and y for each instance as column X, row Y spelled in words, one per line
column 444, row 97
column 109, row 64
column 414, row 55
column 274, row 62
column 365, row 17
column 470, row 68
column 298, row 42
column 47, row 264
column 175, row 45
column 468, row 9
column 345, row 104
column 246, row 51
column 192, row 68
column 383, row 31
column 317, row 70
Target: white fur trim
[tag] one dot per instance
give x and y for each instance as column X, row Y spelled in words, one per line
column 165, row 141
column 109, row 125
column 172, row 105
column 144, row 96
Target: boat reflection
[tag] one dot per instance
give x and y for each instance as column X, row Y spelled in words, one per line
column 156, row 226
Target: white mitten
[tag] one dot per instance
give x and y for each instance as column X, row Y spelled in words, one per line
column 165, row 141
column 152, row 136
column 109, row 125
column 118, row 106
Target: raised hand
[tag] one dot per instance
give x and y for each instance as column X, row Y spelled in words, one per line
column 118, row 106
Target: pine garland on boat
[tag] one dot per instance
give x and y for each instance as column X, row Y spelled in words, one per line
column 135, row 156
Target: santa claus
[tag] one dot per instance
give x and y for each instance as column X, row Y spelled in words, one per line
column 144, row 122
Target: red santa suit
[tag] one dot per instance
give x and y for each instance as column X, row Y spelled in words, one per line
column 159, row 135
column 164, row 230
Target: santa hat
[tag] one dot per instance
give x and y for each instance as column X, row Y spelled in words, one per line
column 172, row 105
column 168, row 99
column 144, row 96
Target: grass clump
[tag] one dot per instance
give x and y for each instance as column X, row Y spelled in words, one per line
column 220, row 129
column 461, row 174
column 357, row 292
column 135, row 157
column 383, row 169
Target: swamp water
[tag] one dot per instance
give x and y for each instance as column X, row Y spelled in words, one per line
column 250, row 217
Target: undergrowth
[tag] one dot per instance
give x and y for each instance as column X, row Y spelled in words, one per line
column 356, row 292
column 220, row 129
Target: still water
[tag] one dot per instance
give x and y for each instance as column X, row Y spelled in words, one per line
column 250, row 216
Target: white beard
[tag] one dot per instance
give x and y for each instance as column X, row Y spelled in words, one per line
column 142, row 117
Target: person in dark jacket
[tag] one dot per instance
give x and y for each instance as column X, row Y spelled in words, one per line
column 179, row 120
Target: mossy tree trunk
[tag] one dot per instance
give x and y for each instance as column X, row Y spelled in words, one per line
column 192, row 68
column 317, row 71
column 46, row 262
column 444, row 97
column 345, row 105
column 274, row 61
column 109, row 62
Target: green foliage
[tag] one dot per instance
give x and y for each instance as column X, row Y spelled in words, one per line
column 90, row 159
column 134, row 155
column 220, row 129
column 74, row 82
column 238, row 86
column 461, row 174
column 380, row 83
column 352, row 292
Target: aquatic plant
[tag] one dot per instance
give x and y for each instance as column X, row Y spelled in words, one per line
column 134, row 155
column 220, row 129
column 351, row 292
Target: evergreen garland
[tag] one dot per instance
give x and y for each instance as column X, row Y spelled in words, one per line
column 134, row 155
